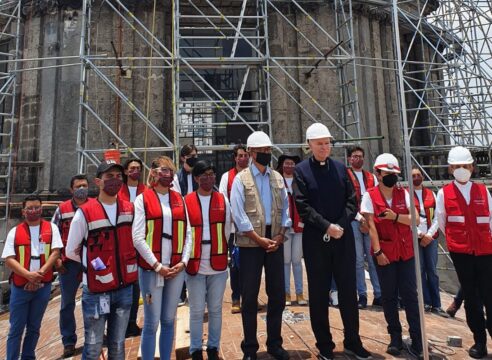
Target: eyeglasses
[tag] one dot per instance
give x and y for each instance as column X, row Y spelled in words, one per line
column 357, row 157
column 33, row 208
column 164, row 170
column 205, row 176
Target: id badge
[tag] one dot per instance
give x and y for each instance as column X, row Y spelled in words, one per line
column 41, row 248
column 104, row 304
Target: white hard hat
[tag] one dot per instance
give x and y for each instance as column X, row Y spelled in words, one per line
column 459, row 155
column 387, row 162
column 317, row 131
column 258, row 139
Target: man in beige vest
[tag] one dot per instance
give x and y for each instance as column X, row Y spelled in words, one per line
column 260, row 208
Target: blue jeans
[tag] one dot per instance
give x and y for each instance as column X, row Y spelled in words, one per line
column 430, row 279
column 209, row 290
column 160, row 305
column 94, row 322
column 26, row 313
column 293, row 255
column 69, row 284
column 362, row 253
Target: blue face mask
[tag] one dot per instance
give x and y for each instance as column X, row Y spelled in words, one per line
column 81, row 193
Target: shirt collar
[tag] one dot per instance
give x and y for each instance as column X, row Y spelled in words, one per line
column 321, row 164
column 256, row 171
column 463, row 187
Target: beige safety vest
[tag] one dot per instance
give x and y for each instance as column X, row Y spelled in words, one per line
column 254, row 208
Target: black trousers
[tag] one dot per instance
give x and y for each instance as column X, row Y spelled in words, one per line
column 475, row 275
column 324, row 260
column 234, row 271
column 252, row 260
column 399, row 278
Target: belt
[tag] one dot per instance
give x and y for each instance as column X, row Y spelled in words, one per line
column 206, row 242
column 167, row 236
column 35, row 257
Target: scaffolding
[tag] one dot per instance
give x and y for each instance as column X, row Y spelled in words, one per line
column 222, row 73
column 447, row 66
column 10, row 22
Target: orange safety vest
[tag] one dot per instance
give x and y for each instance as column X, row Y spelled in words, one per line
column 22, row 245
column 429, row 206
column 112, row 244
column 154, row 226
column 468, row 226
column 368, row 182
column 218, row 241
column 124, row 192
column 231, row 174
column 395, row 239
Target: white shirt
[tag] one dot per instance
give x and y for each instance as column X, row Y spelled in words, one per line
column 224, row 181
column 79, row 231
column 360, row 178
column 465, row 191
column 176, row 186
column 133, row 192
column 139, row 233
column 190, row 184
column 366, row 206
column 422, row 228
column 36, row 247
column 205, row 268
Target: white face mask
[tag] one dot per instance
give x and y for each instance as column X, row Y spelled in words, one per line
column 462, row 175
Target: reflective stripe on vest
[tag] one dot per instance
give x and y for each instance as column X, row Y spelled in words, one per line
column 154, row 226
column 217, row 218
column 113, row 245
column 467, row 225
column 22, row 245
column 429, row 207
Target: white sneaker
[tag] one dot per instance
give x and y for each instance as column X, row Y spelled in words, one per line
column 334, row 298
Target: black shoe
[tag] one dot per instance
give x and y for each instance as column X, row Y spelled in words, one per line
column 249, row 357
column 362, row 301
column 68, row 351
column 377, row 301
column 478, row 351
column 358, row 351
column 197, row 355
column 396, row 345
column 427, row 308
column 439, row 311
column 279, row 353
column 132, row 330
column 212, row 354
column 326, row 356
column 419, row 354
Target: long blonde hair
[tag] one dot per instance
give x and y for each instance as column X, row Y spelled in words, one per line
column 156, row 163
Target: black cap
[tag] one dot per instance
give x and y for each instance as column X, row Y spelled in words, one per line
column 201, row 167
column 296, row 159
column 106, row 165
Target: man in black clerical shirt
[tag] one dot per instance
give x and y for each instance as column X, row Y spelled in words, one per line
column 326, row 202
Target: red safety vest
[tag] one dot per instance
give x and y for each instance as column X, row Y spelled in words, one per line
column 112, row 244
column 467, row 226
column 297, row 224
column 218, row 241
column 231, row 174
column 368, row 182
column 429, row 206
column 67, row 212
column 154, row 226
column 22, row 244
column 124, row 193
column 395, row 239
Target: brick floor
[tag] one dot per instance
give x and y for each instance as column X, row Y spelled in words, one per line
column 298, row 338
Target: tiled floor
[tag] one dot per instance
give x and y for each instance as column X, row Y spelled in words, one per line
column 296, row 331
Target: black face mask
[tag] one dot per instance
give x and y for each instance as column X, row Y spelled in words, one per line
column 390, row 180
column 263, row 158
column 191, row 161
